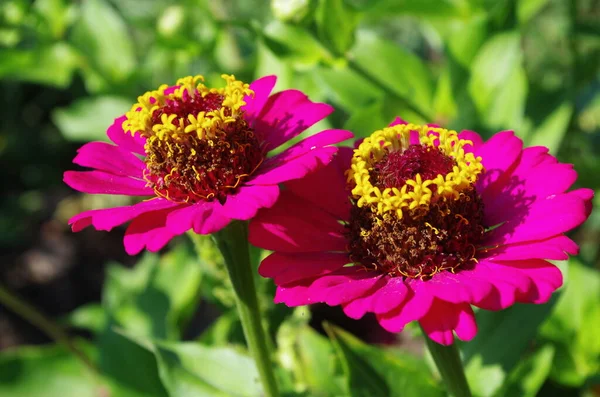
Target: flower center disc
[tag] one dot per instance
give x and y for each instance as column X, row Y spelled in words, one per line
column 416, row 211
column 198, row 146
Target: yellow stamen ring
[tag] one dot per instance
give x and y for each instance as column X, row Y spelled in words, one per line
column 423, row 192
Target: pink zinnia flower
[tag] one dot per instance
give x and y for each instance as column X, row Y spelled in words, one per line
column 198, row 156
column 419, row 223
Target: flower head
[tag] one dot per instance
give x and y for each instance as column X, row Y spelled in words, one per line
column 199, row 156
column 419, row 223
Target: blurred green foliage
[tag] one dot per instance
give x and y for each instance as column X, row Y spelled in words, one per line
column 68, row 68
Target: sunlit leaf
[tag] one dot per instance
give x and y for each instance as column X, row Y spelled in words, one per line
column 101, row 34
column 48, row 371
column 573, row 327
column 498, row 85
column 88, row 118
column 373, row 372
column 53, row 64
column 294, row 44
column 396, row 69
column 529, row 375
column 336, row 23
column 501, row 340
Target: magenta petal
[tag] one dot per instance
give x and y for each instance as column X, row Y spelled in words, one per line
column 202, row 217
column 125, row 140
column 112, row 159
column 293, row 225
column 545, row 279
column 100, row 182
column 295, row 168
column 287, row 268
column 508, row 283
column 544, row 219
column 473, row 137
column 326, row 187
column 397, row 121
column 357, row 307
column 466, row 286
column 254, row 104
column 286, row 114
column 498, row 155
column 390, row 296
column 295, row 294
column 443, row 318
column 244, row 204
column 416, row 306
column 342, row 285
column 106, row 219
column 554, row 248
column 301, row 158
column 147, row 230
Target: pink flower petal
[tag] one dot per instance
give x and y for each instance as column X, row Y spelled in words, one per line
column 473, row 137
column 112, row 159
column 415, row 306
column 545, row 279
column 254, row 104
column 342, row 285
column 202, row 217
column 465, row 286
column 287, row 268
column 554, row 248
column 106, row 219
column 125, row 140
column 295, row 168
column 100, row 182
column 508, row 283
column 286, row 114
column 498, row 155
column 390, row 296
column 244, row 204
column 301, row 158
column 443, row 318
column 147, row 231
column 295, row 294
column 293, row 225
column 541, row 220
column 397, row 121
column 326, row 187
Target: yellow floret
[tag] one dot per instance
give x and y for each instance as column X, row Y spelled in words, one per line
column 423, row 192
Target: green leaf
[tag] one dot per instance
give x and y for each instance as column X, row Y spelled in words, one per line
column 48, row 371
column 465, row 41
column 56, row 13
column 336, row 23
column 423, row 8
column 501, row 340
column 101, row 34
column 129, row 367
column 353, row 97
column 91, row 317
column 371, row 371
column 51, row 64
column 157, row 296
column 498, row 84
column 363, row 122
column 294, row 44
column 87, row 119
column 551, row 131
column 396, row 69
column 573, row 327
column 191, row 369
column 529, row 376
column 527, row 9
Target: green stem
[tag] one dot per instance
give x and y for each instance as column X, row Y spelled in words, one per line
column 233, row 244
column 448, row 362
column 50, row 328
